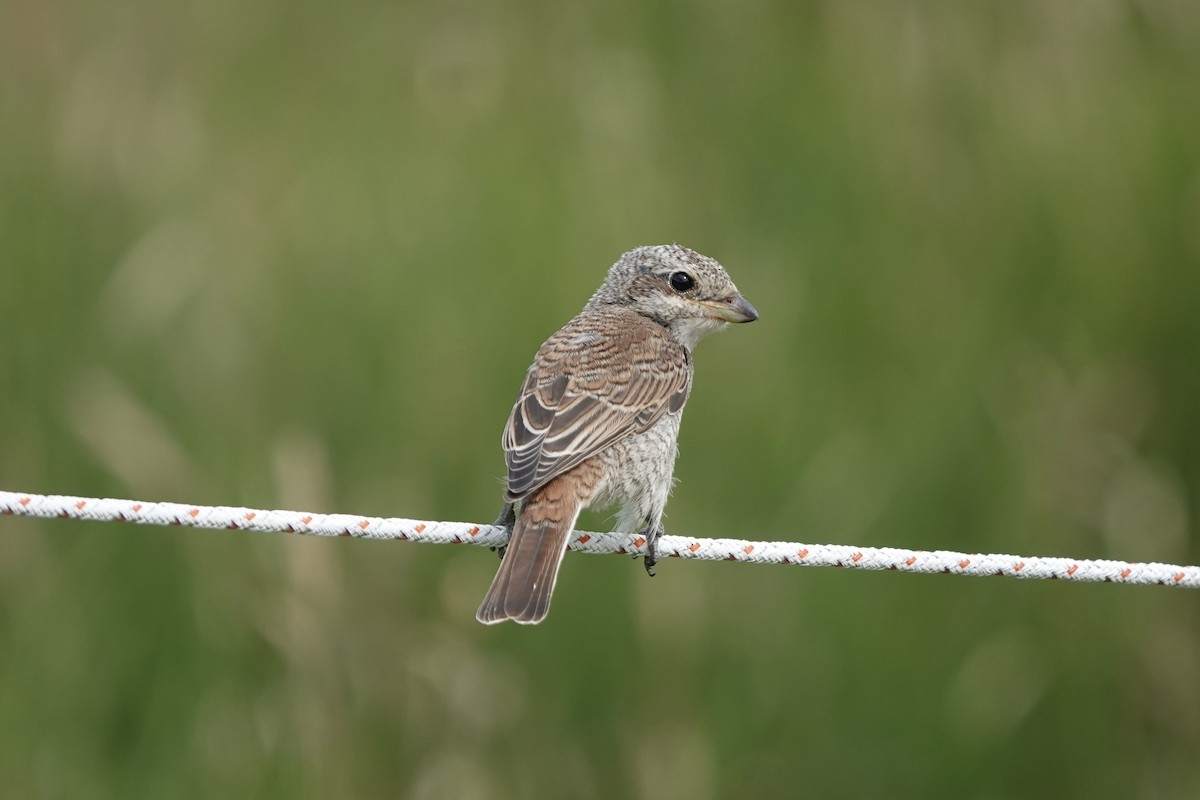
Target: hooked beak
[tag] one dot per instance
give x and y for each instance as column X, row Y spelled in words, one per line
column 736, row 310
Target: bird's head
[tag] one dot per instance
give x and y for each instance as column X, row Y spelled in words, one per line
column 689, row 294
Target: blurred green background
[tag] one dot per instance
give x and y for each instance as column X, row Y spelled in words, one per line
column 300, row 254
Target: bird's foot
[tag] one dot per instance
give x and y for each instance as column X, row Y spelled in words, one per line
column 651, row 532
column 506, row 520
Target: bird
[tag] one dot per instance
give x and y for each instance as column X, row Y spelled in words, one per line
column 596, row 420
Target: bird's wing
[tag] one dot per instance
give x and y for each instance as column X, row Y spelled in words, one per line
column 600, row 379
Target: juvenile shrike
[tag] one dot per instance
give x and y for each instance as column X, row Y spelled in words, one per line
column 597, row 417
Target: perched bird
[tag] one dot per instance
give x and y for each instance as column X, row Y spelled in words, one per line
column 597, row 417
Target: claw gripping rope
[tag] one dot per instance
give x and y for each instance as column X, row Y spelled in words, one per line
column 813, row 555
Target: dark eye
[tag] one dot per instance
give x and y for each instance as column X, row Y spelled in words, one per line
column 681, row 281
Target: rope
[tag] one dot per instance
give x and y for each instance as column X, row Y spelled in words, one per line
column 813, row 555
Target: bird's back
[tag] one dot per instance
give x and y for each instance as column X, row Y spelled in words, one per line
column 605, row 376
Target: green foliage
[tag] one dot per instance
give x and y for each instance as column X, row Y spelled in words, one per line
column 300, row 254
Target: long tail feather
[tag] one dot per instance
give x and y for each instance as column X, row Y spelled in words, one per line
column 524, row 583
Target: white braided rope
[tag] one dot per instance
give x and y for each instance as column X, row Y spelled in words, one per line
column 814, row 555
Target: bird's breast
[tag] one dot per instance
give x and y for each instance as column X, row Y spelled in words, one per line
column 638, row 470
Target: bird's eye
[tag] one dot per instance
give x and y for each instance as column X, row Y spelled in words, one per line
column 681, row 281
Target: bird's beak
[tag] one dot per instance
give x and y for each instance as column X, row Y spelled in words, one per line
column 736, row 310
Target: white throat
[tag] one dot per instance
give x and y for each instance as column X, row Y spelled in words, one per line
column 689, row 330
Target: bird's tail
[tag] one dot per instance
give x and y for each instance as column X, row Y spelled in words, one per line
column 525, row 581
